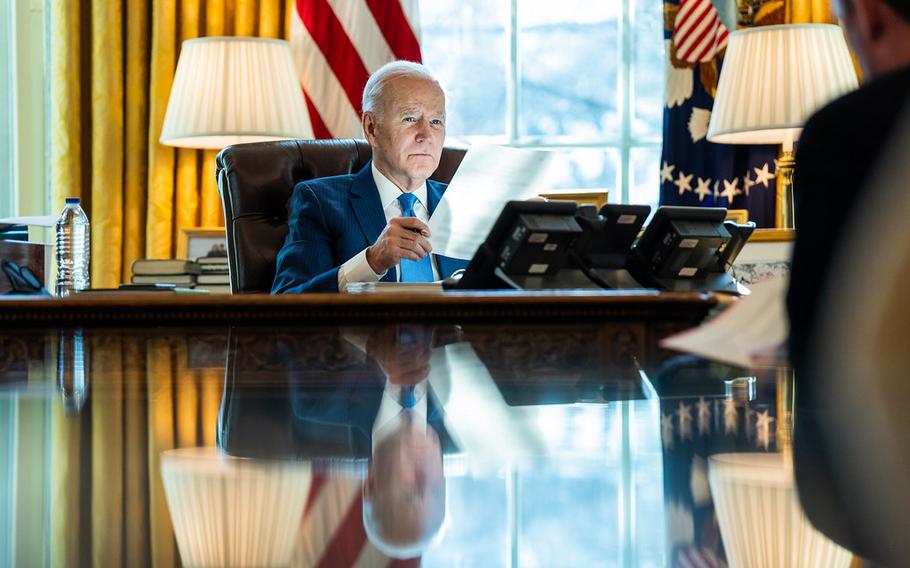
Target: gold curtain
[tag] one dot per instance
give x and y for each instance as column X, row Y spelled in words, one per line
column 111, row 68
column 106, row 503
column 809, row 12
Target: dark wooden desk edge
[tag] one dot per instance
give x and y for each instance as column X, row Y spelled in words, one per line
column 163, row 308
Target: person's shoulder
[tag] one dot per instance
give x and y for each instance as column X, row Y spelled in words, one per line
column 878, row 100
column 325, row 183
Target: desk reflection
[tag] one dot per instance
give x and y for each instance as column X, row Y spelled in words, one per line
column 439, row 444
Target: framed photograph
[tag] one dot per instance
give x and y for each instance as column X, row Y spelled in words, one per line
column 595, row 197
column 201, row 241
column 738, row 215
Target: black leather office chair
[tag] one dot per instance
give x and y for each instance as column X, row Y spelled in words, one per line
column 256, row 181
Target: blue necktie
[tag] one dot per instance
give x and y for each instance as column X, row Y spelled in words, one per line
column 422, row 270
column 406, row 397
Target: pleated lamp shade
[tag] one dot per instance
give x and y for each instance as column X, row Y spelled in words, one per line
column 761, row 520
column 774, row 78
column 230, row 511
column 229, row 90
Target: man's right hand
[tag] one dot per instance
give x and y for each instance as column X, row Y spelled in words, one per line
column 403, row 237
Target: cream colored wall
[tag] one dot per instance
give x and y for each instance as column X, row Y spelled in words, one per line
column 28, row 125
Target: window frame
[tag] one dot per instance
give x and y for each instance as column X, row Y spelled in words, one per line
column 625, row 140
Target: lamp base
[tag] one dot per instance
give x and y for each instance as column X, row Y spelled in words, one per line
column 784, row 209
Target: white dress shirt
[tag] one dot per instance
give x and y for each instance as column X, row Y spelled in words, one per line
column 357, row 269
column 391, row 415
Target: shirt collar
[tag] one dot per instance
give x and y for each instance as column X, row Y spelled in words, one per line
column 389, row 192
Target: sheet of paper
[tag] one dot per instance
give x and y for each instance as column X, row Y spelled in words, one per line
column 34, row 221
column 487, row 178
column 753, row 326
column 488, row 430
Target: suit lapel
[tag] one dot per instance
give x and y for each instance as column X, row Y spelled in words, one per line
column 366, row 205
column 434, row 194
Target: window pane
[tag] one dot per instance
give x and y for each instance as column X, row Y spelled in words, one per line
column 569, row 64
column 465, row 44
column 476, row 524
column 585, row 168
column 6, row 133
column 644, row 176
column 648, row 69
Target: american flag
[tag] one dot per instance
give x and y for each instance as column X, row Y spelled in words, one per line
column 693, row 170
column 337, row 44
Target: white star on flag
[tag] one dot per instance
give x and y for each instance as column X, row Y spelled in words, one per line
column 704, row 416
column 684, row 415
column 730, row 190
column 747, row 183
column 763, row 429
column 683, row 183
column 762, row 176
column 666, row 172
column 666, row 424
column 704, row 188
column 731, row 417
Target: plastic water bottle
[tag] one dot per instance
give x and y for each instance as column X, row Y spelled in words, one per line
column 73, row 243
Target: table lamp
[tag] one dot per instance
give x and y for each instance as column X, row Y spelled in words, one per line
column 229, row 90
column 773, row 79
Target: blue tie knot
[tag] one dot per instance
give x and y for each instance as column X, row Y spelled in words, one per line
column 406, row 397
column 407, row 201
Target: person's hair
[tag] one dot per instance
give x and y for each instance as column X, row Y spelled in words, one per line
column 431, row 533
column 900, row 7
column 374, row 90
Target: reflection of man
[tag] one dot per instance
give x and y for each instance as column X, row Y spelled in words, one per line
column 404, row 495
column 372, row 226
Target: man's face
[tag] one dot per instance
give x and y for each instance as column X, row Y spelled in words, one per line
column 408, row 132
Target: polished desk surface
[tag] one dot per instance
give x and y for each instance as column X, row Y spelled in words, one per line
column 547, row 431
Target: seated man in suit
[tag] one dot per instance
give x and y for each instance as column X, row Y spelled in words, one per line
column 371, row 226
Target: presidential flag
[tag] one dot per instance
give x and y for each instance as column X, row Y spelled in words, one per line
column 337, row 44
column 693, row 170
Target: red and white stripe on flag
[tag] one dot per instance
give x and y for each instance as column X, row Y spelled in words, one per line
column 337, row 44
column 698, row 32
column 331, row 532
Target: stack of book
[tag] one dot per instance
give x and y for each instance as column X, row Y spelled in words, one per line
column 213, row 274
column 165, row 271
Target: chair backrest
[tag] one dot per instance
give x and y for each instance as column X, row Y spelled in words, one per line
column 256, row 182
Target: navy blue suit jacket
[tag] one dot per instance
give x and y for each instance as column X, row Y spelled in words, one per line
column 331, row 220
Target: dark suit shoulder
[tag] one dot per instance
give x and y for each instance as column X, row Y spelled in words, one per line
column 875, row 103
column 326, row 183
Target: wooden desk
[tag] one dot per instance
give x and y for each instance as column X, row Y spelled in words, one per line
column 156, row 308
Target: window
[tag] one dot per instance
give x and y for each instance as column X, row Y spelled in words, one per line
column 585, row 79
column 6, row 127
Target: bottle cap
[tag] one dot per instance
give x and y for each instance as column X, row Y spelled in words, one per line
column 72, row 200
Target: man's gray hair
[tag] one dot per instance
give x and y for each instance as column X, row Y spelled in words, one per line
column 374, row 90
